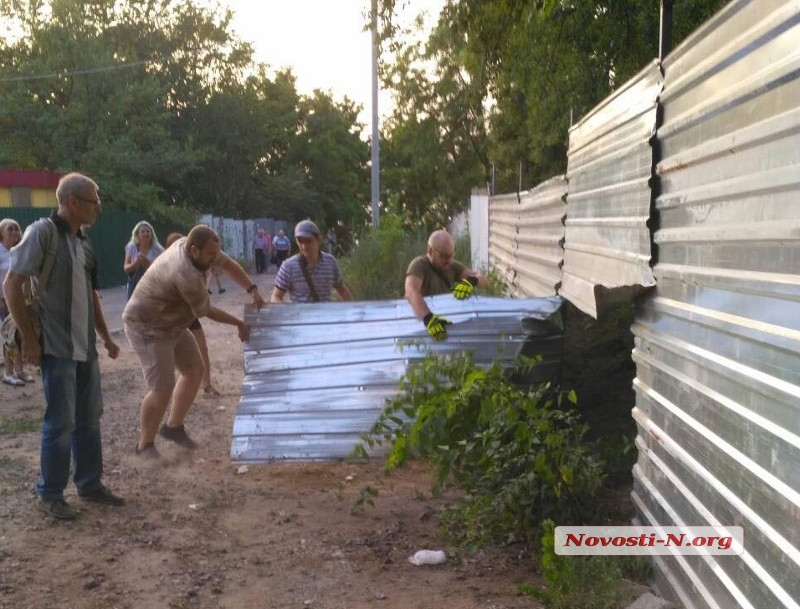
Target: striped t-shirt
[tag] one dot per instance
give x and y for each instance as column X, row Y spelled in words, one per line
column 325, row 275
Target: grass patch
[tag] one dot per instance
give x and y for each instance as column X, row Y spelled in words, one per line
column 19, row 425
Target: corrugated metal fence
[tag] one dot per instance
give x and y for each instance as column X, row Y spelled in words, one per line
column 718, row 343
column 610, row 163
column 718, row 336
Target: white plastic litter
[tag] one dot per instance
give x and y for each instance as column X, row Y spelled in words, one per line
column 428, row 557
column 243, row 469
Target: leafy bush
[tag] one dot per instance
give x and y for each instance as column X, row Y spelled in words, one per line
column 518, row 454
column 375, row 268
column 585, row 582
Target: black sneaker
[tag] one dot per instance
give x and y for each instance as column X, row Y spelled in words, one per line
column 222, row 290
column 177, row 435
column 57, row 508
column 102, row 495
column 148, row 451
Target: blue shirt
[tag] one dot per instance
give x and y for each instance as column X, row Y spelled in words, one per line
column 282, row 243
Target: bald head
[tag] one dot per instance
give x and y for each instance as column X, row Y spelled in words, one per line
column 442, row 241
column 441, row 248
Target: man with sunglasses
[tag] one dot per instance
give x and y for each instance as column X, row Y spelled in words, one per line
column 310, row 275
column 438, row 273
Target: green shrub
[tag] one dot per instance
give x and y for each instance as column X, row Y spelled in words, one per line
column 376, row 266
column 518, row 454
column 576, row 582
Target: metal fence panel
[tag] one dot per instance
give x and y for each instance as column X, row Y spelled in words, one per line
column 317, row 375
column 479, row 228
column 539, row 253
column 607, row 241
column 718, row 343
column 503, row 227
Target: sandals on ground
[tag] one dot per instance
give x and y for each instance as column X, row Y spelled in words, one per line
column 25, row 377
column 14, row 381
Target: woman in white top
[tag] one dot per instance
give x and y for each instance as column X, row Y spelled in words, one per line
column 140, row 252
column 10, row 235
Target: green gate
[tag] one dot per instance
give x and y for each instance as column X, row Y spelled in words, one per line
column 109, row 235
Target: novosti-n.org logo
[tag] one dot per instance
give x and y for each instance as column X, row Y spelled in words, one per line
column 644, row 541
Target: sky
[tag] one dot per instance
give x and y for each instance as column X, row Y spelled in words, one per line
column 321, row 40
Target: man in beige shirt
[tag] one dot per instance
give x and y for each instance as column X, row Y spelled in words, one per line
column 169, row 297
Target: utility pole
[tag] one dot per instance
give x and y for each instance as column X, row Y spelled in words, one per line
column 665, row 29
column 376, row 219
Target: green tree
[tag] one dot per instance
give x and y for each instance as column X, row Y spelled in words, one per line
column 100, row 85
column 334, row 159
column 242, row 134
column 508, row 77
column 434, row 149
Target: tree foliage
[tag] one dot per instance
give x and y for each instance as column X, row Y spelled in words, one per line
column 490, row 96
column 166, row 108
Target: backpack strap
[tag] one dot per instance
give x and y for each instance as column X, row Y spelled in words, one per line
column 49, row 258
column 307, row 275
column 440, row 273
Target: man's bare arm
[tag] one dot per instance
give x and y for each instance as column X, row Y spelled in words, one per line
column 414, row 296
column 102, row 328
column 343, row 292
column 13, row 287
column 277, row 296
column 240, row 276
column 483, row 280
column 224, row 317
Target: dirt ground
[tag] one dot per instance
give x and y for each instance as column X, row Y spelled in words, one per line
column 195, row 533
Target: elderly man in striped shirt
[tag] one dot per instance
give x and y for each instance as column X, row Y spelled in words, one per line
column 311, row 275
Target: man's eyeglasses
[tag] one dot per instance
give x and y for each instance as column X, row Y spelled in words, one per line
column 304, row 240
column 92, row 201
column 442, row 255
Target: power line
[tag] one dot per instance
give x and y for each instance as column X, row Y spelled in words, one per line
column 119, row 66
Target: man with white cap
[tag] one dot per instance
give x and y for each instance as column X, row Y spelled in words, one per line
column 310, row 275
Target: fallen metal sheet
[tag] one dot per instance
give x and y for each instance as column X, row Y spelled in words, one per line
column 318, row 375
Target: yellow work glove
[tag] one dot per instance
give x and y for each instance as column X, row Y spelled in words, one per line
column 435, row 326
column 464, row 287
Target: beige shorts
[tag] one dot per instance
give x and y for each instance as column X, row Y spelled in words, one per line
column 160, row 356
